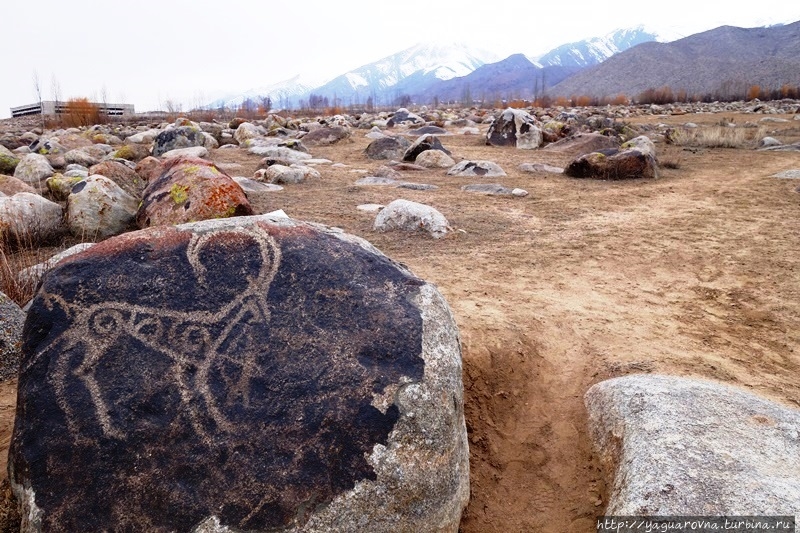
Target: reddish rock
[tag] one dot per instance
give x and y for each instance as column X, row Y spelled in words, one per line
column 9, row 185
column 190, row 189
column 121, row 174
column 146, row 168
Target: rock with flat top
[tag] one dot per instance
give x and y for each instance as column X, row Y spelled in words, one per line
column 679, row 446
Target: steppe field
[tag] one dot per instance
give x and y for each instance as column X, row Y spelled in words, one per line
column 696, row 273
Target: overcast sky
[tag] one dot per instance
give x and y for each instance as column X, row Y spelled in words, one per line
column 146, row 52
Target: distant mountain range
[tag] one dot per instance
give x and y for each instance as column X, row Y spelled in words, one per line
column 627, row 61
column 721, row 62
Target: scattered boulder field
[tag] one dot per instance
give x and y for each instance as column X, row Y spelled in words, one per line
column 259, row 402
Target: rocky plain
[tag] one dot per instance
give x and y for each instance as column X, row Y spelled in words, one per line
column 415, row 319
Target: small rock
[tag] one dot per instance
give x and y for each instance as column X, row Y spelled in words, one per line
column 422, row 144
column 486, row 169
column 370, row 208
column 34, row 169
column 253, row 186
column 192, row 151
column 540, row 167
column 788, row 174
column 412, row 217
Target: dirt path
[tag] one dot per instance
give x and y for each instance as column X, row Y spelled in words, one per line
column 696, row 273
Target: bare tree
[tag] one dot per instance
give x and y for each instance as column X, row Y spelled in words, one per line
column 55, row 89
column 104, row 99
column 37, row 89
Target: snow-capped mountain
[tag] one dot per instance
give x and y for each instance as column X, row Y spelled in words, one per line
column 404, row 73
column 283, row 94
column 597, row 49
column 420, row 73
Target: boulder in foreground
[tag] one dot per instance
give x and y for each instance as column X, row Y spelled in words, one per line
column 254, row 373
column 678, row 446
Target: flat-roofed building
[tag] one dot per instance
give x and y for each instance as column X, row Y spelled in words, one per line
column 52, row 108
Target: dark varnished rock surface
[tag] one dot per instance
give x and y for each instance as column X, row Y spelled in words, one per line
column 170, row 375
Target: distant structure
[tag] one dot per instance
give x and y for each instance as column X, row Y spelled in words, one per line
column 56, row 108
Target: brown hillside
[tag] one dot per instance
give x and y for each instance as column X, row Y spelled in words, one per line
column 721, row 62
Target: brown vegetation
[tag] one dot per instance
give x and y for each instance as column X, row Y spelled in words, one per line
column 81, row 112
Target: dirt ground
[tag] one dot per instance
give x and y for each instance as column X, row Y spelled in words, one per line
column 696, row 273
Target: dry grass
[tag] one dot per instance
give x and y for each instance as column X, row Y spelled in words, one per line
column 717, row 137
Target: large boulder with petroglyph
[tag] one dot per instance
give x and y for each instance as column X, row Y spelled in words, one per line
column 676, row 446
column 254, row 373
column 515, row 127
column 190, row 189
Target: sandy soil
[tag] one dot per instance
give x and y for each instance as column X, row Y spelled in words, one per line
column 693, row 274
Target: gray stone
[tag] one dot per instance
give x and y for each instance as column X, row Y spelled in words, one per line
column 494, row 189
column 428, row 130
column 179, row 137
column 582, row 143
column 643, row 144
column 254, row 402
column 34, row 169
column 486, row 169
column 280, row 153
column 193, row 151
column 80, row 157
column 246, row 131
column 326, row 136
column 12, row 319
column 253, row 186
column 378, row 180
column 434, row 159
column 403, row 117
column 540, row 167
column 422, row 144
column 678, row 446
column 411, row 217
column 515, row 127
column 788, row 174
column 370, row 208
column 630, row 163
column 29, row 219
column 8, row 160
column 143, row 137
column 98, row 208
column 769, row 141
column 284, row 174
column 60, row 185
column 387, row 148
